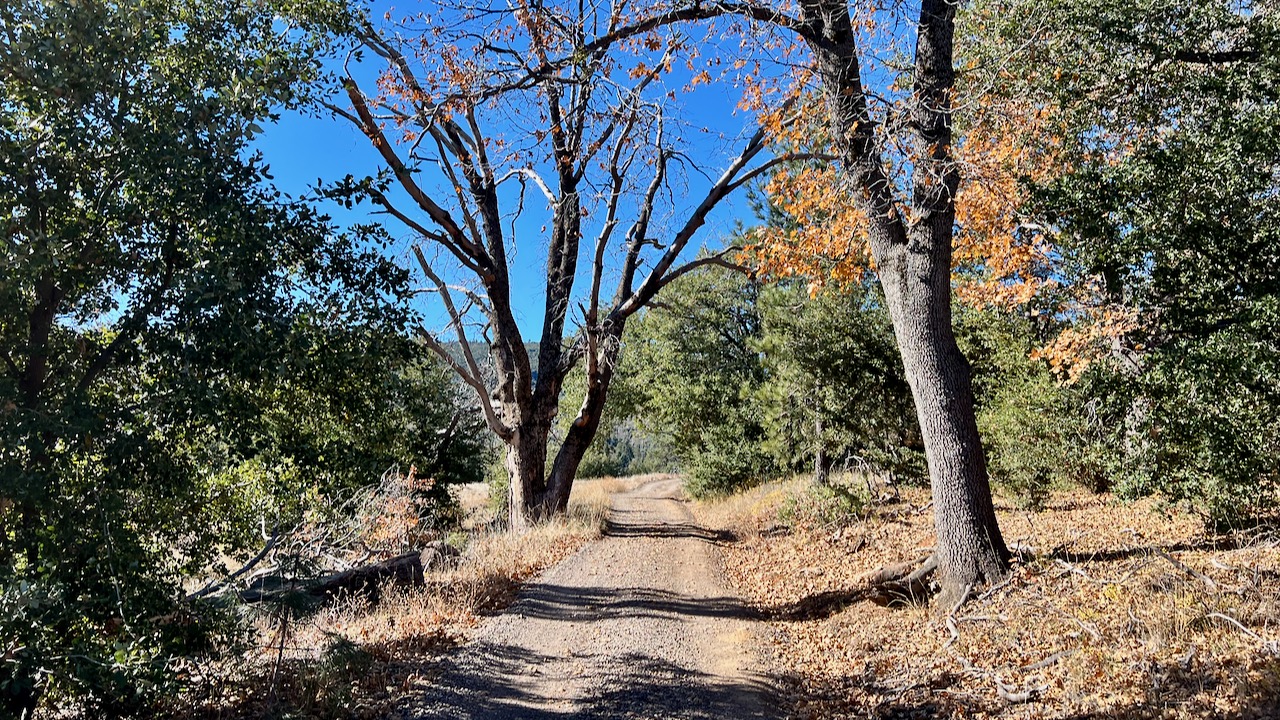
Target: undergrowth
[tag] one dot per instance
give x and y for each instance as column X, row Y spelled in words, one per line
column 353, row 658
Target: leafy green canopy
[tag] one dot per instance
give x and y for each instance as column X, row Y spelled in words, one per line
column 746, row 381
column 1170, row 196
column 182, row 348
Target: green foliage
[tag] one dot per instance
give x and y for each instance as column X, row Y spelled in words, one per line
column 738, row 377
column 1038, row 433
column 693, row 364
column 622, row 445
column 731, row 457
column 185, row 354
column 833, row 363
column 1168, row 113
column 824, row 505
column 1201, row 428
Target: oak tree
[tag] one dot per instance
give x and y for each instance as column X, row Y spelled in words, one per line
column 480, row 114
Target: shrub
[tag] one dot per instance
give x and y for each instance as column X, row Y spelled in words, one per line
column 728, row 460
column 823, row 505
column 1036, row 439
column 1200, row 430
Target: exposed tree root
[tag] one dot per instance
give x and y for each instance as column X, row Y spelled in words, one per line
column 898, row 584
column 902, row 583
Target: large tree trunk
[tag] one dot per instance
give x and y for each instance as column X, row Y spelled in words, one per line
column 970, row 548
column 911, row 241
column 526, row 460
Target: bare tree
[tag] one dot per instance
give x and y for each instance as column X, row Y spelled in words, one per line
column 499, row 104
column 904, row 175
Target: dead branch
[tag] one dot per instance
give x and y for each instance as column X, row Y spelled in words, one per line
column 214, row 587
column 955, row 633
column 1051, row 660
column 1088, row 627
column 902, row 583
column 1208, row 581
column 407, row 569
column 1008, row 578
column 1013, row 696
column 1271, row 647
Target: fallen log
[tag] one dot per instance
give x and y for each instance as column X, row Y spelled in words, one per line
column 406, row 570
column 403, row 569
column 902, row 583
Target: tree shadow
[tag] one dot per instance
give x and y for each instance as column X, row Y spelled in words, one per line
column 1112, row 555
column 818, row 606
column 589, row 604
column 617, row 524
column 491, row 682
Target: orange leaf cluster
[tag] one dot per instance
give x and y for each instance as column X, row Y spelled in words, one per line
column 1000, row 259
column 826, row 238
column 1077, row 347
column 1008, row 147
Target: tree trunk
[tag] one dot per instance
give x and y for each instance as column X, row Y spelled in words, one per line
column 526, row 460
column 970, row 548
column 820, row 464
column 910, row 238
column 584, row 427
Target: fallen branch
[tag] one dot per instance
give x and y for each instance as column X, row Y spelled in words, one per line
column 1208, row 581
column 1013, row 696
column 1086, row 626
column 214, row 587
column 1271, row 647
column 1008, row 578
column 1051, row 660
column 902, row 583
column 407, row 569
column 955, row 633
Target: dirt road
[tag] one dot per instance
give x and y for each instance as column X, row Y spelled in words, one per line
column 636, row 625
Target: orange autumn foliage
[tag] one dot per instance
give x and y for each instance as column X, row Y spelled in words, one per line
column 1000, row 259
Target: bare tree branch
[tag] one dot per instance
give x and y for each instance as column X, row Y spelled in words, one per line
column 471, row 374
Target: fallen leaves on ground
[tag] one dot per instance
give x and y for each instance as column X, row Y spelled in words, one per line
column 1111, row 610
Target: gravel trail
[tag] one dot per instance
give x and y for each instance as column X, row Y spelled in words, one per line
column 636, row 625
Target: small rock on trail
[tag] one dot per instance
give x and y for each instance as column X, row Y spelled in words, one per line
column 636, row 625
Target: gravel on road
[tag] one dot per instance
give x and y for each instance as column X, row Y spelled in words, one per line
column 636, row 625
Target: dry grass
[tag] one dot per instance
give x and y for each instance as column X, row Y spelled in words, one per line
column 1097, row 619
column 354, row 658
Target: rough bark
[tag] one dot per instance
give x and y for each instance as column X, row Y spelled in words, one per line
column 970, row 547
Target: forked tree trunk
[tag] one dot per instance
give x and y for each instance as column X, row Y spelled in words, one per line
column 581, row 137
column 537, row 494
column 582, row 431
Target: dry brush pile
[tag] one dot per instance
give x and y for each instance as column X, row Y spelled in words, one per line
column 357, row 653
